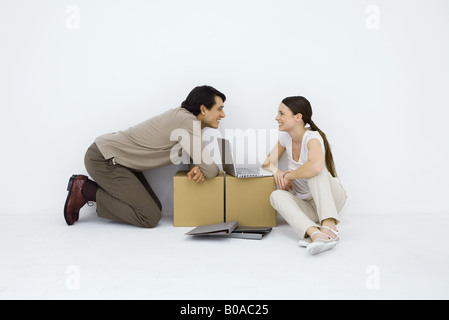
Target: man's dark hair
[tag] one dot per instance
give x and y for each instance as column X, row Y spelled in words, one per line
column 202, row 95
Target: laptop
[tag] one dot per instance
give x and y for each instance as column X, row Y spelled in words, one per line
column 231, row 168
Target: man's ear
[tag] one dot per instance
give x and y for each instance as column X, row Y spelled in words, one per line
column 203, row 109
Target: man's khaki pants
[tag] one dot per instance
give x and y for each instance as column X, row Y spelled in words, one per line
column 328, row 199
column 124, row 194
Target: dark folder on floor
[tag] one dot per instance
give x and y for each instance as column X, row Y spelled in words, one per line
column 231, row 230
column 250, row 232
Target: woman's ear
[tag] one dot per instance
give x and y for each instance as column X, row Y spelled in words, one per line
column 298, row 117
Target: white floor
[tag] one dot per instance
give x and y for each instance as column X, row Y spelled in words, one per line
column 380, row 257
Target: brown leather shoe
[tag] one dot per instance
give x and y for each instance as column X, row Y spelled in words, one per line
column 75, row 200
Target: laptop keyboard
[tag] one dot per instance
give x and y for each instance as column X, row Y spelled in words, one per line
column 248, row 170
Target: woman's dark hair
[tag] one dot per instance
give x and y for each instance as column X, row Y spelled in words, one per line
column 301, row 105
column 202, row 95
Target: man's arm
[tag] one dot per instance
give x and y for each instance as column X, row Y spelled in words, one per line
column 201, row 161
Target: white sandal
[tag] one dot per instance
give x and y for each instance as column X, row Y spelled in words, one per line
column 320, row 245
column 335, row 232
column 305, row 242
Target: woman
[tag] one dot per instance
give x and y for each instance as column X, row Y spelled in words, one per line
column 310, row 196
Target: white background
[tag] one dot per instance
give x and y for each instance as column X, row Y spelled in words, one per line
column 380, row 95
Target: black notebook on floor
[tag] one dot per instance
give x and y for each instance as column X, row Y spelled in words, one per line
column 250, row 232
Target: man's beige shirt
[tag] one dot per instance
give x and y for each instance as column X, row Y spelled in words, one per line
column 157, row 142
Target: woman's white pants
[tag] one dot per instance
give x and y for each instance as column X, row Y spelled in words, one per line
column 328, row 200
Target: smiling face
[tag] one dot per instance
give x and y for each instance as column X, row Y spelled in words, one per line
column 286, row 119
column 211, row 118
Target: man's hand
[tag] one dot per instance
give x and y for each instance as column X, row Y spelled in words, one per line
column 196, row 175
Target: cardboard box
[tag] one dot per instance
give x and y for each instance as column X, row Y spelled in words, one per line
column 197, row 204
column 248, row 201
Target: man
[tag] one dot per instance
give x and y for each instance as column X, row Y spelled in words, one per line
column 116, row 161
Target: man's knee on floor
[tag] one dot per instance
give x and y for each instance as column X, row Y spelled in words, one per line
column 149, row 219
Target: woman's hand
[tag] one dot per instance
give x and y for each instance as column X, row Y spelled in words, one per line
column 279, row 177
column 196, row 175
column 282, row 181
column 288, row 184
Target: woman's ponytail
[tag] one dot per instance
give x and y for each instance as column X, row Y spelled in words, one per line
column 329, row 158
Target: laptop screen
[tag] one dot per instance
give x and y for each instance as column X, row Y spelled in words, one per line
column 226, row 155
